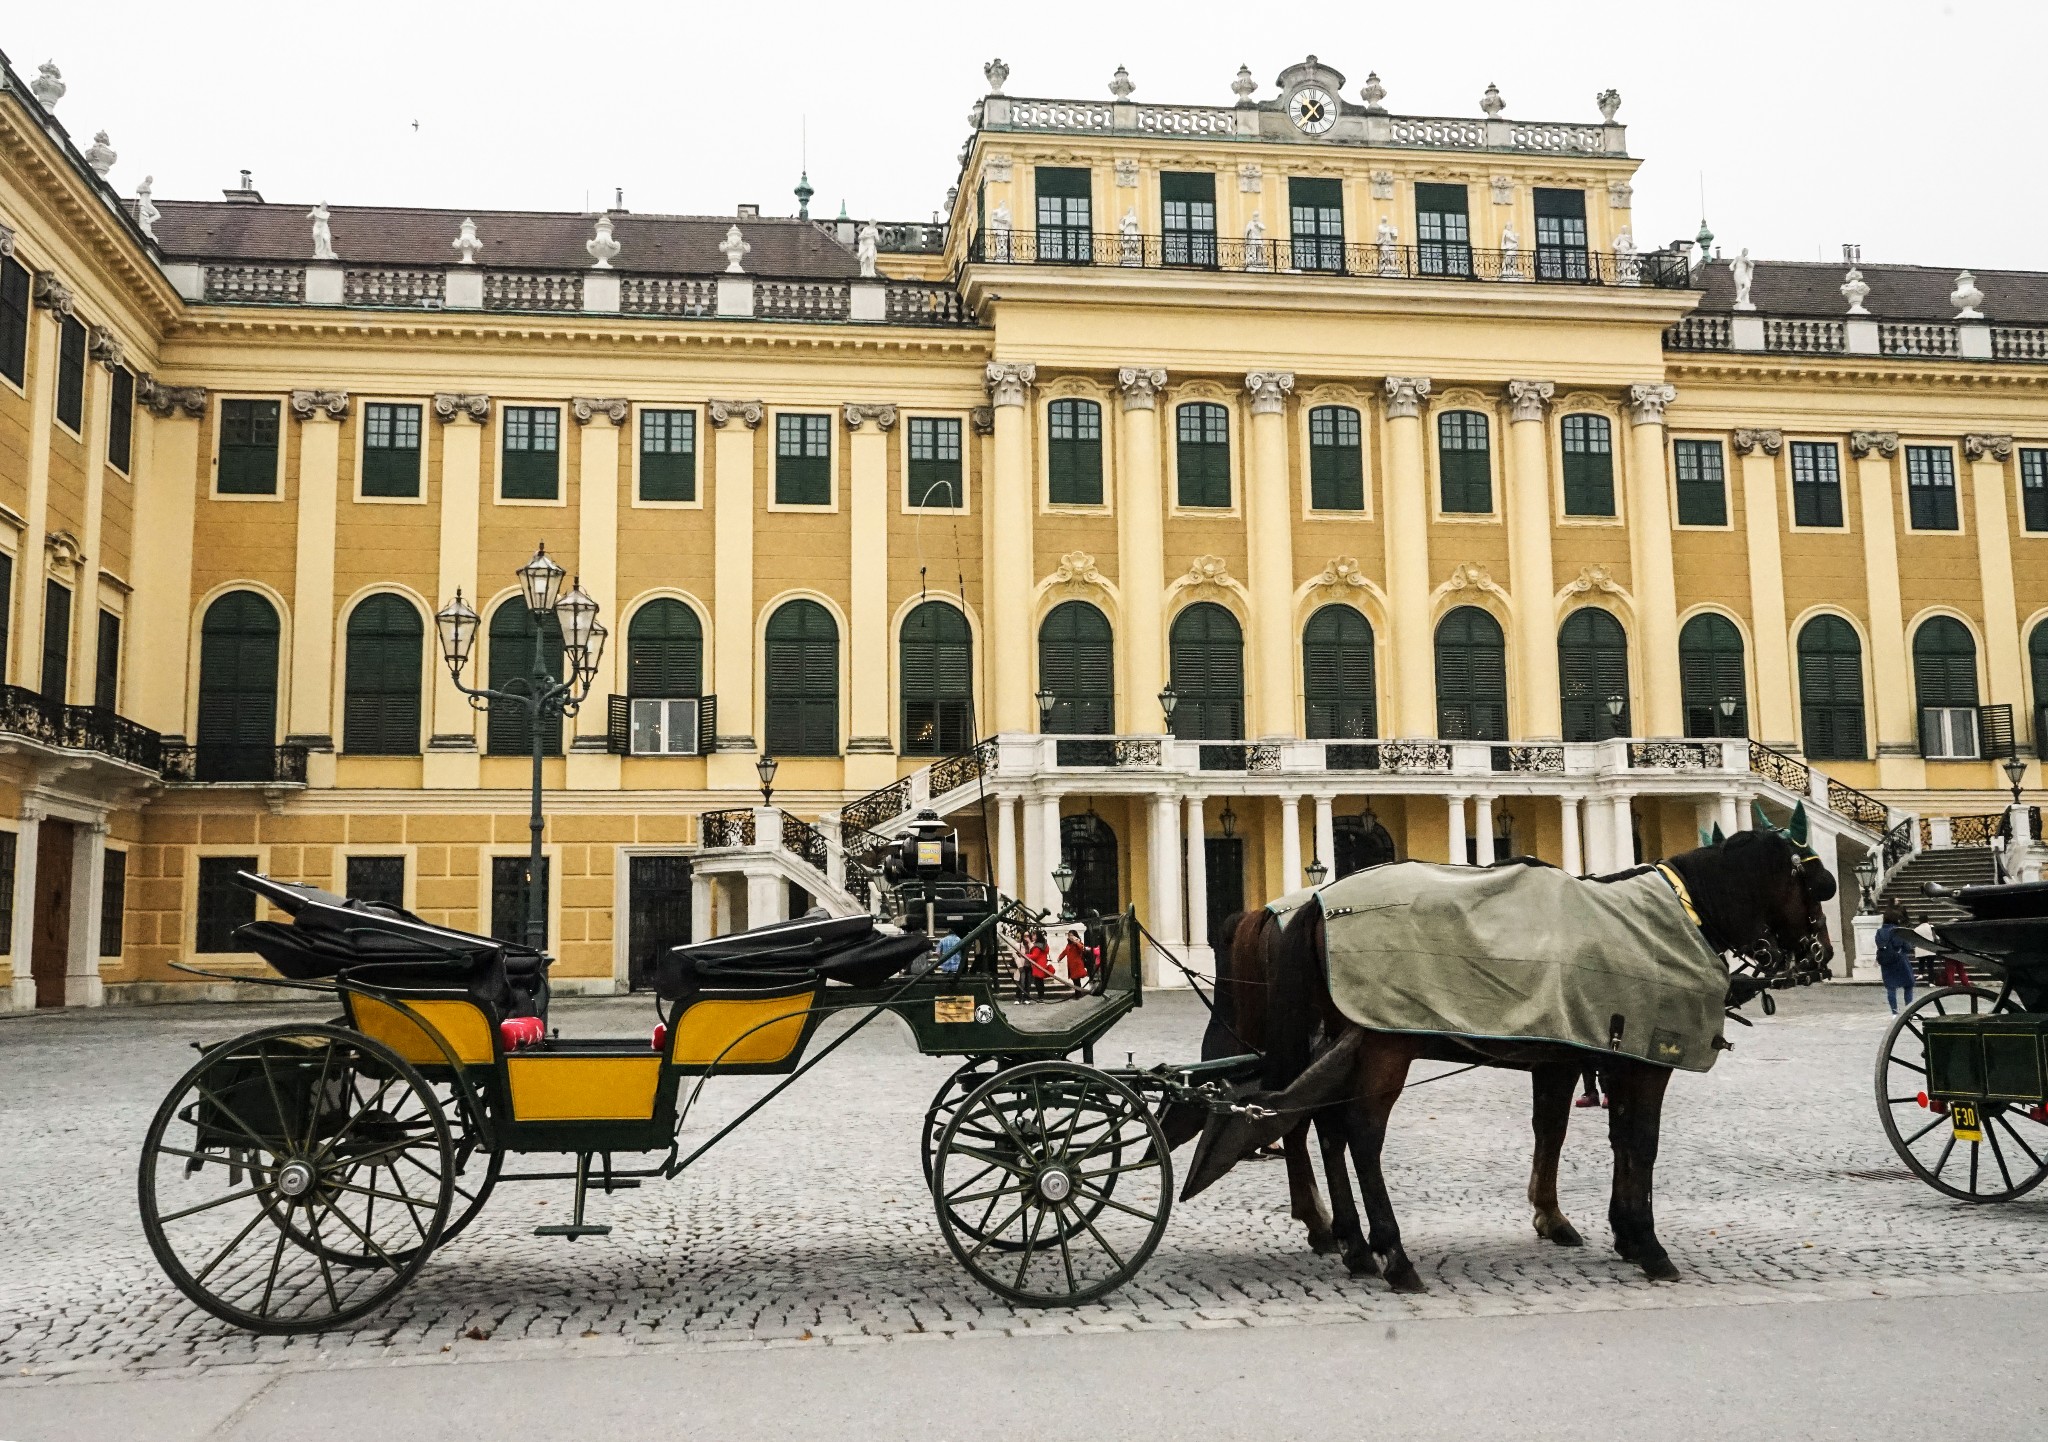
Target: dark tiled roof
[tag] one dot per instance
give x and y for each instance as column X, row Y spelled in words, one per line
column 219, row 230
column 1897, row 292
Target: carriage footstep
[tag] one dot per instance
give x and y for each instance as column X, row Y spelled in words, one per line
column 573, row 1230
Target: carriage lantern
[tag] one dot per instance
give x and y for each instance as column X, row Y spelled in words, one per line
column 541, row 581
column 1229, row 821
column 1728, row 705
column 765, row 768
column 457, row 622
column 2016, row 775
column 1615, row 703
column 1045, row 705
column 1168, row 699
column 1866, row 877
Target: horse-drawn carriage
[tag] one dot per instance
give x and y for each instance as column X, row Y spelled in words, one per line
column 1962, row 1079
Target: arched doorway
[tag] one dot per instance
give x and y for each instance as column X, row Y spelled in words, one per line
column 1088, row 845
column 1361, row 842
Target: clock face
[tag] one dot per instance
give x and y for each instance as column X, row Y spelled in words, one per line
column 1312, row 109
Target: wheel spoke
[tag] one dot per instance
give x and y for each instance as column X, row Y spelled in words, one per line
column 1947, row 1148
column 319, row 1095
column 216, row 1202
column 1998, row 1155
column 993, row 1160
column 989, row 1236
column 270, row 1282
column 2020, row 1140
column 1909, row 1066
column 1059, row 1231
column 1100, row 1240
column 1938, row 1120
column 1030, row 1245
column 368, row 1240
column 268, row 1144
column 320, row 1256
column 240, row 1236
column 1108, row 1201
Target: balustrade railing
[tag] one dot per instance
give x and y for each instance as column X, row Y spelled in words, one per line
column 1419, row 757
column 1699, row 332
column 1805, row 337
column 1858, row 806
column 1106, row 751
column 2019, row 342
column 1426, row 132
column 395, row 286
column 911, row 237
column 1351, row 756
column 734, row 826
column 1538, row 760
column 1912, row 338
column 1898, row 845
column 1675, row 755
column 949, row 772
column 913, row 303
column 262, row 284
column 878, row 807
column 1975, row 830
column 32, row 715
column 801, row 300
column 806, row 841
column 231, row 763
column 533, row 290
column 668, row 295
column 1774, row 765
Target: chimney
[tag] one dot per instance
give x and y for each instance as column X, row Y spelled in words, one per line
column 247, row 194
column 1852, row 254
column 750, row 212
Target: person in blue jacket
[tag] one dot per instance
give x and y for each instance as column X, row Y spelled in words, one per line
column 1895, row 957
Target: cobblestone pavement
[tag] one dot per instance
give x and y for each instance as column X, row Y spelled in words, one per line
column 811, row 1224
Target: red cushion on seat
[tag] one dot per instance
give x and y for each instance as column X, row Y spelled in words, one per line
column 521, row 1031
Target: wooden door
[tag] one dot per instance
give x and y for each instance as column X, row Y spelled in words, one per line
column 50, row 950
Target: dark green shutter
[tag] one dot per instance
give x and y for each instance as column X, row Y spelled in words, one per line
column 933, row 472
column 1202, row 454
column 1588, row 465
column 248, row 448
column 1443, row 231
column 1831, row 690
column 1702, row 483
column 2037, row 662
column 1337, row 675
column 237, row 734
column 1077, row 666
column 937, row 681
column 1465, row 462
column 665, row 651
column 509, row 731
column 121, row 421
column 532, row 453
column 803, row 460
column 1074, row 453
column 1336, row 459
column 1471, row 677
column 1315, row 210
column 71, row 373
column 668, row 455
column 381, row 690
column 14, row 312
column 56, row 642
column 1561, row 235
column 1710, row 667
column 1931, row 488
column 802, row 663
column 106, row 683
column 1816, row 484
column 1592, row 660
column 391, row 450
column 1187, row 218
column 1207, row 648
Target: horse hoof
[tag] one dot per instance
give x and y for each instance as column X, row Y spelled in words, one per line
column 1360, row 1262
column 1406, row 1280
column 1659, row 1268
column 1323, row 1242
column 1564, row 1234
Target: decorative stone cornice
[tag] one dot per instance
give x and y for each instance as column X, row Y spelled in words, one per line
column 52, row 294
column 310, row 404
column 1140, row 386
column 162, row 399
column 6, row 240
column 1750, row 439
column 586, row 410
column 1077, row 568
column 1527, row 399
column 856, row 416
column 102, row 345
column 1862, row 443
column 1646, row 403
column 1342, row 573
column 63, row 550
column 1207, row 571
column 1008, row 381
column 1405, row 395
column 983, row 419
column 450, row 406
column 1269, row 391
column 724, row 413
column 1988, row 448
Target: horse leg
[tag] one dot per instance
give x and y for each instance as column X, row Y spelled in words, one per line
column 1550, row 1113
column 1349, row 1231
column 1382, row 1072
column 1301, row 1190
column 1635, row 1113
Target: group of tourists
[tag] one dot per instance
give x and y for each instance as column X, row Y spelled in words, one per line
column 1080, row 958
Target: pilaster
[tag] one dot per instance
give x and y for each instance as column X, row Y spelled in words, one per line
column 1141, row 550
column 1771, row 707
column 85, row 599
column 1530, row 571
column 1406, row 498
column 1897, row 737
column 88, row 878
column 590, row 765
column 731, row 767
column 309, row 723
column 27, row 839
column 1010, row 566
column 1656, row 588
column 870, row 757
column 451, row 761
column 1270, row 546
column 160, row 616
column 1989, row 456
column 52, row 303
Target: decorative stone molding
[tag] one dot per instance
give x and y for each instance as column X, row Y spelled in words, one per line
column 162, row 400
column 999, row 163
column 52, row 294
column 1503, row 189
column 1471, row 576
column 1988, row 448
column 1862, row 443
column 1251, row 178
column 856, row 416
column 1140, row 386
column 1008, row 381
column 734, row 248
column 1646, row 403
column 1491, row 102
column 602, row 248
column 1383, row 185
column 102, row 345
column 1208, row 571
column 723, row 413
column 1126, row 174
column 1341, row 574
column 983, row 419
column 6, row 241
column 1405, row 395
column 586, row 409
column 1620, row 195
column 1967, row 297
column 1269, row 391
column 1526, row 399
column 995, row 73
column 1077, row 568
column 63, row 550
column 451, row 405
column 1748, row 440
column 1590, row 579
column 308, row 404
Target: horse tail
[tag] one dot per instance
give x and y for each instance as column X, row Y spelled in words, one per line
column 1223, row 1038
column 1296, row 987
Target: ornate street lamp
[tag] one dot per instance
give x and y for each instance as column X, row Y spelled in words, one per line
column 1046, row 701
column 1168, row 699
column 1316, row 872
column 1616, row 704
column 1866, row 878
column 1228, row 820
column 765, row 768
column 2015, row 775
column 540, row 580
column 1063, row 878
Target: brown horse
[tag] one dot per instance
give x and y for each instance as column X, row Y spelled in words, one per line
column 1757, row 892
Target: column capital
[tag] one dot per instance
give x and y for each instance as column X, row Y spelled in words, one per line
column 1009, row 380
column 450, row 406
column 52, row 295
column 1269, row 390
column 1646, row 403
column 1988, row 448
column 1527, row 399
column 1749, row 440
column 312, row 404
column 1139, row 385
column 586, row 409
column 102, row 345
column 724, row 413
column 856, row 416
column 6, row 241
column 1405, row 396
column 162, row 399
column 1862, row 443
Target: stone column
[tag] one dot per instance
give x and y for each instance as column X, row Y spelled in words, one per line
column 1406, row 527
column 1624, row 833
column 1568, row 820
column 1055, row 851
column 1455, row 838
column 310, row 715
column 82, row 985
column 731, row 767
column 1482, row 828
column 1198, row 884
column 1290, row 844
column 1770, row 713
column 1727, row 813
column 451, row 761
column 870, row 757
column 2003, row 669
column 1164, row 854
column 1009, row 567
column 82, row 683
column 1599, row 835
column 597, row 567
column 1897, row 735
column 52, row 305
column 1269, row 526
column 1037, row 869
column 1006, row 846
column 1326, row 832
column 28, row 833
column 1141, row 552
column 159, row 620
column 1649, row 529
column 701, row 918
column 1531, row 573
column 767, row 898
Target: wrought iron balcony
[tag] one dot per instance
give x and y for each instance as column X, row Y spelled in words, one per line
column 34, row 716
column 212, row 763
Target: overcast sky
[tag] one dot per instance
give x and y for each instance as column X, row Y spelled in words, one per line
column 1910, row 126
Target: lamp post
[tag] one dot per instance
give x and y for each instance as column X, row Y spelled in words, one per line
column 1168, row 699
column 1866, row 878
column 1046, row 701
column 766, row 768
column 1063, row 878
column 2015, row 775
column 539, row 693
column 1616, row 704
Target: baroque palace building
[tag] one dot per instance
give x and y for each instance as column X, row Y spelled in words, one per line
column 1211, row 497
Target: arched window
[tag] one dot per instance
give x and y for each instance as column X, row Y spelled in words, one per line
column 1073, row 456
column 380, row 713
column 1336, row 459
column 2037, row 658
column 1464, row 462
column 665, row 651
column 937, row 678
column 1077, row 668
column 1361, row 842
column 1202, row 454
column 1831, row 690
column 1337, row 682
column 1945, row 685
column 1588, row 465
column 237, row 734
column 1592, row 669
column 803, row 681
column 1710, row 673
column 510, row 728
column 1471, row 677
column 1089, row 847
column 1208, row 674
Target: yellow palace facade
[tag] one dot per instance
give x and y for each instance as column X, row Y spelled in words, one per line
column 1208, row 498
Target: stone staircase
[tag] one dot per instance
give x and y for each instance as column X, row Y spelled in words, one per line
column 1950, row 866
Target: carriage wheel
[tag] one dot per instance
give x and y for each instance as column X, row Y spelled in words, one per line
column 1069, row 1135
column 2013, row 1157
column 971, row 1220
column 266, row 1181
column 970, row 1075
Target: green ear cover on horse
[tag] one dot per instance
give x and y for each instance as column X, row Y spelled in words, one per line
column 1761, row 821
column 1717, row 837
column 1797, row 830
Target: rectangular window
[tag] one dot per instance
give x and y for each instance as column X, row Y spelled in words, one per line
column 2034, row 490
column 803, row 460
column 1443, row 231
column 106, row 681
column 1074, row 453
column 248, row 448
column 1702, row 483
column 1816, row 484
column 377, row 878
column 1588, row 466
column 14, row 312
column 1561, row 235
column 1931, row 487
column 113, row 900
column 391, row 450
column 1336, row 460
column 533, row 453
column 1465, row 462
column 1203, row 455
column 121, row 421
column 71, row 373
column 1315, row 215
column 668, row 455
column 664, row 726
column 1065, row 214
column 508, row 897
column 6, row 622
column 1187, row 218
column 56, row 642
column 223, row 905
column 935, row 463
column 10, row 845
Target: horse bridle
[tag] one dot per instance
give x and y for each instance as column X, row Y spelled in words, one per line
column 1780, row 962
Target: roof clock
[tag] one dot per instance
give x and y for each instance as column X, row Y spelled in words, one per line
column 1309, row 92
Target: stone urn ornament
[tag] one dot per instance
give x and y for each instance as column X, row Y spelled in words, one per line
column 48, row 87
column 1491, row 102
column 100, row 155
column 1372, row 92
column 1609, row 102
column 466, row 244
column 1966, row 298
column 602, row 247
column 1120, row 84
column 1854, row 289
column 996, row 73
